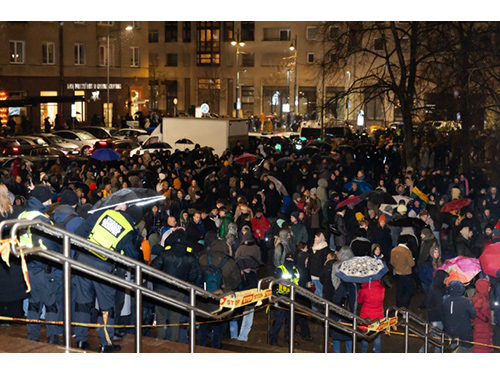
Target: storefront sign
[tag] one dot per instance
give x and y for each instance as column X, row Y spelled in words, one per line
column 93, row 86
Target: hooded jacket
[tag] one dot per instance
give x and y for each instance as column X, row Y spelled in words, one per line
column 248, row 248
column 482, row 324
column 371, row 297
column 317, row 257
column 437, row 291
column 425, row 246
column 345, row 253
column 458, row 312
column 281, row 248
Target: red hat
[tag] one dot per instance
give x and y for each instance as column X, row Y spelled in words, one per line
column 381, row 218
column 93, row 186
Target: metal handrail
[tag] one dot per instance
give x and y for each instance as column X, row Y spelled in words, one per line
column 428, row 332
column 140, row 270
column 321, row 316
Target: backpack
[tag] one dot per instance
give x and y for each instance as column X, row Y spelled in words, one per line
column 62, row 224
column 212, row 275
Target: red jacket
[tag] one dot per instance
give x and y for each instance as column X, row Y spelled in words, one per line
column 371, row 297
column 482, row 322
column 259, row 227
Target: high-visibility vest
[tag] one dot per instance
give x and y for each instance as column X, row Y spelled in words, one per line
column 294, row 278
column 26, row 238
column 109, row 230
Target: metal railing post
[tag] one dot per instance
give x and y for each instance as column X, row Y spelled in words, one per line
column 192, row 321
column 326, row 327
column 138, row 309
column 269, row 324
column 354, row 327
column 426, row 339
column 442, row 342
column 67, row 292
column 292, row 317
column 407, row 329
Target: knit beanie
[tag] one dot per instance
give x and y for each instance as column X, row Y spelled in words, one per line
column 68, row 197
column 402, row 208
column 42, row 193
column 359, row 216
column 381, row 218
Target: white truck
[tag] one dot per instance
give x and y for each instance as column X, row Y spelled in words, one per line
column 219, row 134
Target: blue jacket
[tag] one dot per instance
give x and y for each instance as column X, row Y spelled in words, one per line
column 458, row 312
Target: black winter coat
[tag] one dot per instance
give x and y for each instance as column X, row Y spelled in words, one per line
column 437, row 291
column 458, row 312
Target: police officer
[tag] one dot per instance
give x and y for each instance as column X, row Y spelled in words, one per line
column 46, row 281
column 114, row 230
column 289, row 272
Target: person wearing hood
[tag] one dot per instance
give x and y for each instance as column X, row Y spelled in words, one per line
column 435, row 312
column 247, row 251
column 175, row 259
column 317, row 258
column 371, row 297
column 231, row 279
column 403, row 261
column 45, row 279
column 281, row 247
column 341, row 233
column 382, row 236
column 428, row 241
column 345, row 295
column 483, row 332
column 427, row 269
column 458, row 312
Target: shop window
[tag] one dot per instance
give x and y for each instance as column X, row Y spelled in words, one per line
column 17, row 51
column 48, row 53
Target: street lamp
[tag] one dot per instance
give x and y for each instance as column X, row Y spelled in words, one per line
column 238, row 43
column 293, row 47
column 347, row 104
column 108, row 120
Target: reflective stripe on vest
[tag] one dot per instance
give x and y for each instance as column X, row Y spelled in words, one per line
column 109, row 230
column 25, row 238
column 294, row 278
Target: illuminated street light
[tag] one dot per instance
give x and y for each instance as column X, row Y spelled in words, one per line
column 238, row 43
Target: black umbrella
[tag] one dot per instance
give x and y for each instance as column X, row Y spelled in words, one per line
column 80, row 185
column 408, row 222
column 184, row 141
column 378, row 196
column 130, row 196
column 282, row 162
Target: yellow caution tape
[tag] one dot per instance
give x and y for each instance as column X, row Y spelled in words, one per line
column 246, row 297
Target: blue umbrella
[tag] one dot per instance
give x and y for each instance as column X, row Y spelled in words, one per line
column 363, row 186
column 105, row 154
column 362, row 270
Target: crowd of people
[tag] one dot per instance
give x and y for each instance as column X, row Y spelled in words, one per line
column 245, row 220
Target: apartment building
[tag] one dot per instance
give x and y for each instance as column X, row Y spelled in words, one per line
column 60, row 59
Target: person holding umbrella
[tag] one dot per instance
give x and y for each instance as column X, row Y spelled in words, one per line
column 371, row 297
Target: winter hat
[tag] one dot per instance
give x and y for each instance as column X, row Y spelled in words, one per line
column 68, row 197
column 178, row 236
column 93, row 186
column 402, row 208
column 313, row 191
column 359, row 216
column 295, row 214
column 295, row 196
column 387, row 210
column 42, row 193
column 381, row 218
column 246, row 227
column 280, row 222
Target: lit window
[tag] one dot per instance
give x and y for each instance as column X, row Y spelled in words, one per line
column 17, row 51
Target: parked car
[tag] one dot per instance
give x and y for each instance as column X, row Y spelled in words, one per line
column 151, row 147
column 54, row 140
column 128, row 133
column 119, row 145
column 84, row 140
column 10, row 146
column 100, row 132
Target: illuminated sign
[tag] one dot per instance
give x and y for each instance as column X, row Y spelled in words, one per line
column 93, row 86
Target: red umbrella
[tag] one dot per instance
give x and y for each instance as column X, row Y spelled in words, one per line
column 490, row 259
column 242, row 159
column 456, row 204
column 345, row 202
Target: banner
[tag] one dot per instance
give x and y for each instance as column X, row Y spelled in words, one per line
column 384, row 325
column 245, row 297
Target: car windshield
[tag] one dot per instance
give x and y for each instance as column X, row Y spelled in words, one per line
column 85, row 136
column 114, row 132
column 55, row 139
column 41, row 142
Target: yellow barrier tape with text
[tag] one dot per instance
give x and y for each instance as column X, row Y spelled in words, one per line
column 246, row 297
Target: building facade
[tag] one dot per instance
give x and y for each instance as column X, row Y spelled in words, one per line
column 60, row 59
